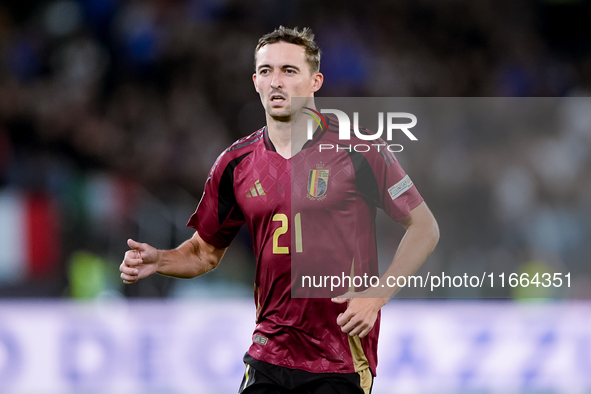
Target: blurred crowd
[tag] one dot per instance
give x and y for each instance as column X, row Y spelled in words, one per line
column 115, row 110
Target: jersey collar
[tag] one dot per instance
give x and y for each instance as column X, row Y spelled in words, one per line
column 317, row 135
column 268, row 143
column 330, row 124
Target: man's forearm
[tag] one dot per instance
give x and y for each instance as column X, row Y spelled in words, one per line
column 414, row 249
column 192, row 258
column 419, row 241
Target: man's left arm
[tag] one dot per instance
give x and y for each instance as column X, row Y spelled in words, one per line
column 421, row 237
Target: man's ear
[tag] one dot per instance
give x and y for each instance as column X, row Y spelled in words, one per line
column 318, row 80
column 254, row 80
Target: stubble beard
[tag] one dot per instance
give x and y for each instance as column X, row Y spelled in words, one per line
column 281, row 118
column 284, row 116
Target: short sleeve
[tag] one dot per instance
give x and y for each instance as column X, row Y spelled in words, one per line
column 382, row 181
column 218, row 217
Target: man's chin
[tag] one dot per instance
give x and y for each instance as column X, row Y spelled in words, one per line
column 280, row 116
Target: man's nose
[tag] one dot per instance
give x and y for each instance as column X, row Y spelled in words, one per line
column 276, row 81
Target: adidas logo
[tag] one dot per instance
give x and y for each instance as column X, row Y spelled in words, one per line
column 256, row 190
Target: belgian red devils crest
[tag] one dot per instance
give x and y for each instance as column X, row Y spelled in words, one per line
column 317, row 183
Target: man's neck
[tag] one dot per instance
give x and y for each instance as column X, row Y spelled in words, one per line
column 288, row 137
column 280, row 136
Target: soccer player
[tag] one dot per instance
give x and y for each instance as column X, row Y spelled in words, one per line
column 300, row 345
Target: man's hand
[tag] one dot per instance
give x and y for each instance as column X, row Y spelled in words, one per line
column 139, row 262
column 361, row 313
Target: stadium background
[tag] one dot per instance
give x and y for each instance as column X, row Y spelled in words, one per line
column 112, row 112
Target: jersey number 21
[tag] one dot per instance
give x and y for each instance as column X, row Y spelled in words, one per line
column 282, row 229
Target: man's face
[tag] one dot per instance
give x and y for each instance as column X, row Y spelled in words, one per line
column 282, row 73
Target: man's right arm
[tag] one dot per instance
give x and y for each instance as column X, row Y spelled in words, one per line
column 192, row 258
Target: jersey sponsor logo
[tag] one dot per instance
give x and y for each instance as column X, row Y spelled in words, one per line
column 400, row 187
column 318, row 182
column 260, row 339
column 256, row 190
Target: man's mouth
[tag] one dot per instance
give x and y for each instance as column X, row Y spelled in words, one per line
column 277, row 98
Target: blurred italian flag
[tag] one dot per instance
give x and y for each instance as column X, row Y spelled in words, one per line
column 29, row 236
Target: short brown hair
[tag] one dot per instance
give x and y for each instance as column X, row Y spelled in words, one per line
column 304, row 38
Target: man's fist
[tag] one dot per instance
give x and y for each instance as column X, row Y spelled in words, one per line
column 139, row 262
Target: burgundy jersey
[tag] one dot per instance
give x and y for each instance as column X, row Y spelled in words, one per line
column 325, row 219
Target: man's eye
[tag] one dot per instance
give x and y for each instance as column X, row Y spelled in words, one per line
column 290, row 71
column 263, row 72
